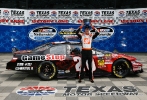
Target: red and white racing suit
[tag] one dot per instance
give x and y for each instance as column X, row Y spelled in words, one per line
column 86, row 52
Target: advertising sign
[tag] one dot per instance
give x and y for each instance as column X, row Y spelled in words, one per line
column 121, row 29
column 131, row 16
column 13, row 17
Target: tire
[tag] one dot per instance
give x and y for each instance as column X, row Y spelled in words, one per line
column 121, row 68
column 47, row 70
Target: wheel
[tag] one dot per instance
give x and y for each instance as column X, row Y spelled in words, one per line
column 47, row 70
column 121, row 68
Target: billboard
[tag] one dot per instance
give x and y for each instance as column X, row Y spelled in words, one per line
column 123, row 30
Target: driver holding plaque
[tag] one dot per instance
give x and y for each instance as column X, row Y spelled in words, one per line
column 86, row 39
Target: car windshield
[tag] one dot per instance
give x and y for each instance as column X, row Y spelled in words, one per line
column 41, row 48
column 58, row 49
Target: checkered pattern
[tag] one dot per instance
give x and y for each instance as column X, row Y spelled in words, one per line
column 73, row 20
column 10, row 81
column 101, row 22
column 28, row 21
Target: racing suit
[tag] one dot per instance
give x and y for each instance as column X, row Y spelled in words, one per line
column 86, row 51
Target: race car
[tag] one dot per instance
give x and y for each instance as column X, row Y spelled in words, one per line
column 63, row 59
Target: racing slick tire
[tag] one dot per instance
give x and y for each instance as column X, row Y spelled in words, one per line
column 47, row 70
column 121, row 68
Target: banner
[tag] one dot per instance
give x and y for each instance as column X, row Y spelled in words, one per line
column 25, row 17
column 123, row 30
column 17, row 17
column 13, row 17
column 124, row 16
column 99, row 17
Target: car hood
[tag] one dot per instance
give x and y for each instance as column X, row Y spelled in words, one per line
column 22, row 51
column 121, row 55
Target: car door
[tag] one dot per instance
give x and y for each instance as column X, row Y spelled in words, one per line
column 73, row 57
column 58, row 56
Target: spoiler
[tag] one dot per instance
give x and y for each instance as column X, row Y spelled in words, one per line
column 14, row 50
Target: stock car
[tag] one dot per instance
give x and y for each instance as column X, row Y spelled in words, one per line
column 63, row 59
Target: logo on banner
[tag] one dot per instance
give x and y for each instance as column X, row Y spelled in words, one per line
column 64, row 13
column 17, row 13
column 97, row 13
column 43, row 13
column 54, row 13
column 105, row 33
column 32, row 13
column 36, row 91
column 6, row 13
column 107, row 13
column 121, row 13
column 75, row 14
column 86, row 13
column 42, row 33
column 68, row 34
column 144, row 12
column 133, row 13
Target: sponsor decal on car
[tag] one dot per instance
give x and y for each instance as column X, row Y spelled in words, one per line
column 55, row 57
column 61, row 71
column 36, row 91
column 108, row 56
column 101, row 63
column 137, row 68
column 42, row 33
column 108, row 62
column 42, row 57
column 114, row 55
column 78, row 61
column 24, row 66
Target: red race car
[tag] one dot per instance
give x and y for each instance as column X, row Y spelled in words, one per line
column 63, row 59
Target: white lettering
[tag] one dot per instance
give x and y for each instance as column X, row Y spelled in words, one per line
column 79, row 63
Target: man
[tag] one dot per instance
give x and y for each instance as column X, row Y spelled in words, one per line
column 86, row 39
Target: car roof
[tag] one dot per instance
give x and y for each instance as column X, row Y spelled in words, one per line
column 65, row 42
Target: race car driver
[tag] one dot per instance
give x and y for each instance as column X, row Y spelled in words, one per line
column 86, row 39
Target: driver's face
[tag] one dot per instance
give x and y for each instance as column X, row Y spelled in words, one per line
column 87, row 30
